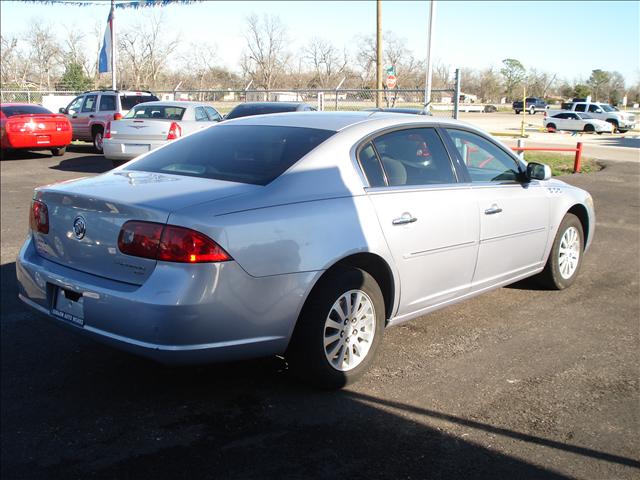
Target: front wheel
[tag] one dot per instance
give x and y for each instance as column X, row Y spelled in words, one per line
column 566, row 254
column 551, row 127
column 517, row 112
column 532, row 111
column 588, row 128
column 339, row 329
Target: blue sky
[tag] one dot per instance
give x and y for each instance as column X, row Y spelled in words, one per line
column 566, row 38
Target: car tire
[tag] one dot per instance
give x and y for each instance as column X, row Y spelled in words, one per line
column 97, row 140
column 551, row 128
column 323, row 340
column 532, row 111
column 565, row 258
column 622, row 131
column 517, row 112
column 588, row 128
column 58, row 152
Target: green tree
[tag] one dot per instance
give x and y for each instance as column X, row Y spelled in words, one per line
column 599, row 81
column 74, row 78
column 581, row 90
column 513, row 73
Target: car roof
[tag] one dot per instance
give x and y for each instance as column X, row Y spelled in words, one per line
column 337, row 121
column 175, row 103
column 272, row 104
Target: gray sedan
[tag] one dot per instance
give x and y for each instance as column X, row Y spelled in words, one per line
column 303, row 234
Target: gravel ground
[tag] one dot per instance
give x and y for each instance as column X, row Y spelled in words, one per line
column 518, row 383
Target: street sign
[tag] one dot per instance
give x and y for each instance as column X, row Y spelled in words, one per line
column 391, row 70
column 392, row 82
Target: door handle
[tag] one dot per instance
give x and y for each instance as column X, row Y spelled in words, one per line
column 493, row 210
column 404, row 219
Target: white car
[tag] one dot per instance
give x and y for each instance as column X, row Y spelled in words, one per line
column 150, row 125
column 576, row 122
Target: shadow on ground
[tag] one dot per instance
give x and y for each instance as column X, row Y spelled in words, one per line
column 85, row 164
column 72, row 408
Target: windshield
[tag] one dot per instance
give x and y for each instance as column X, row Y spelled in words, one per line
column 162, row 112
column 223, row 153
column 10, row 111
column 246, row 110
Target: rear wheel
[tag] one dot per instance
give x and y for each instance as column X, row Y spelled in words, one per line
column 98, row 140
column 589, row 128
column 532, row 110
column 339, row 329
column 58, row 152
column 565, row 258
column 518, row 112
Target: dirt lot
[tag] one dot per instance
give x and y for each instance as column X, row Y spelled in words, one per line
column 519, row 383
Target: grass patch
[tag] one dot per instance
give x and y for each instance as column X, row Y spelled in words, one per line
column 562, row 164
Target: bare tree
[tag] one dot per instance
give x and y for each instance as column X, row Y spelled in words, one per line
column 45, row 52
column 267, row 55
column 326, row 61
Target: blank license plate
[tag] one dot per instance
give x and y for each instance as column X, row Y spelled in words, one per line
column 69, row 306
column 43, row 139
column 135, row 148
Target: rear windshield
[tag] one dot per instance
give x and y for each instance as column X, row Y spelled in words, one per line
column 24, row 110
column 248, row 110
column 255, row 154
column 165, row 112
column 130, row 101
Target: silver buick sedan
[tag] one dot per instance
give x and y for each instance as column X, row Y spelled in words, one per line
column 301, row 234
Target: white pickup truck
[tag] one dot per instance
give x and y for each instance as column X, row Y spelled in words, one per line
column 621, row 121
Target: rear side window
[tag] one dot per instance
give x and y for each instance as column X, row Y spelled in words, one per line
column 213, row 114
column 414, row 156
column 201, row 115
column 24, row 110
column 223, row 153
column 130, row 101
column 580, row 108
column 371, row 166
column 107, row 103
column 164, row 112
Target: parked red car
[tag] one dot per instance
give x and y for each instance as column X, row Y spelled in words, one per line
column 31, row 127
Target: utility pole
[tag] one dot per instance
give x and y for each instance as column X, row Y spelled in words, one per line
column 379, row 53
column 113, row 45
column 427, row 83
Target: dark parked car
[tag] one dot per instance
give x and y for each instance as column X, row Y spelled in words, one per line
column 534, row 104
column 262, row 108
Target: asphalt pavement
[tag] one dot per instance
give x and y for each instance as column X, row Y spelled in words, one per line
column 518, row 383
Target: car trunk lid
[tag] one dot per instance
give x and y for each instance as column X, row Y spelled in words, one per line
column 141, row 129
column 85, row 217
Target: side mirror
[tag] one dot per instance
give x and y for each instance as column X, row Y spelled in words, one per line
column 538, row 171
column 62, row 110
column 599, row 110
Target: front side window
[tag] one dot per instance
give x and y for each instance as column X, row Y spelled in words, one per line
column 594, row 108
column 201, row 115
column 414, row 156
column 213, row 115
column 485, row 161
column 74, row 107
column 89, row 103
column 107, row 103
column 223, row 153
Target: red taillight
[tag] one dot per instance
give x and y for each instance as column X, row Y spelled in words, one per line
column 39, row 217
column 62, row 126
column 21, row 127
column 174, row 131
column 107, row 130
column 117, row 116
column 168, row 243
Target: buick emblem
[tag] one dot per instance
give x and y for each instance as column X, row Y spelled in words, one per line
column 79, row 227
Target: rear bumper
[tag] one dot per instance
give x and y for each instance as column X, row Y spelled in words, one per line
column 32, row 141
column 127, row 150
column 182, row 314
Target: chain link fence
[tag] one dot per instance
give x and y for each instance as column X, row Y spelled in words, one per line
column 224, row 100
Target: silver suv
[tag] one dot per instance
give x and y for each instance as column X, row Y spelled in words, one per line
column 90, row 112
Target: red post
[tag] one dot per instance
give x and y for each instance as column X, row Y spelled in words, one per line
column 576, row 162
